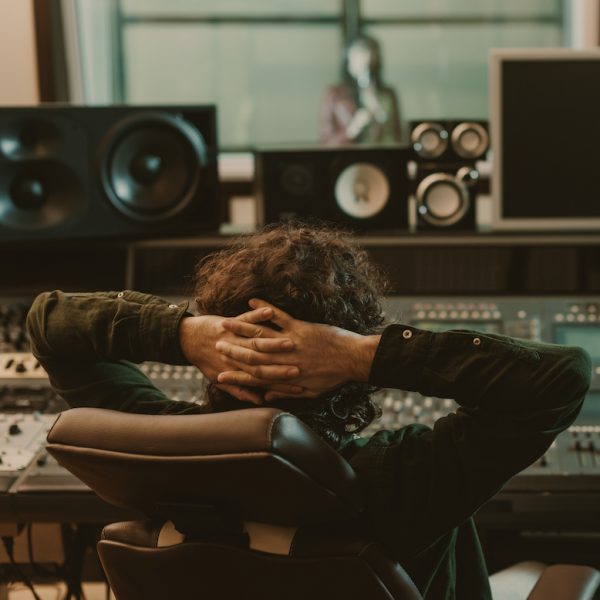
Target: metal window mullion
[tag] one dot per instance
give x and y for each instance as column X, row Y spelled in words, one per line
column 450, row 20
column 351, row 20
column 231, row 20
column 118, row 48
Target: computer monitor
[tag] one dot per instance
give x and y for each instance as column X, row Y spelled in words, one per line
column 545, row 130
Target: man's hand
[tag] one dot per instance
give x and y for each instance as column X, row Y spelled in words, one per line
column 327, row 357
column 198, row 337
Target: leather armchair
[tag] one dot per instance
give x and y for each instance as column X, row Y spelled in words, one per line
column 241, row 504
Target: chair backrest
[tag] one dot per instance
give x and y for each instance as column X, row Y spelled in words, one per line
column 249, row 503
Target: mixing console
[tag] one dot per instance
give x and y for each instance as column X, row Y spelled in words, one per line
column 22, row 439
column 573, row 462
column 12, row 331
column 574, row 458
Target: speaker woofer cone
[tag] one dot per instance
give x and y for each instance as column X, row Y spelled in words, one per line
column 151, row 165
column 470, row 140
column 442, row 200
column 362, row 190
column 38, row 195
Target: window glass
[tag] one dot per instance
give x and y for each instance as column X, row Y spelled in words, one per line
column 266, row 64
column 266, row 80
column 441, row 71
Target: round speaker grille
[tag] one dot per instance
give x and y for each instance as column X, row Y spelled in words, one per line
column 150, row 166
column 470, row 140
column 38, row 195
column 441, row 199
column 297, row 179
column 429, row 140
column 362, row 190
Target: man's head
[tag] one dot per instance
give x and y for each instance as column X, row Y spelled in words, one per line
column 315, row 274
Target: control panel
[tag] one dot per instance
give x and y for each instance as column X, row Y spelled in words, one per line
column 567, row 321
column 576, row 452
column 12, row 331
column 22, row 439
column 20, row 366
column 27, row 404
column 180, row 383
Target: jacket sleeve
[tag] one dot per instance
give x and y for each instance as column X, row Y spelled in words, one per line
column 515, row 396
column 88, row 342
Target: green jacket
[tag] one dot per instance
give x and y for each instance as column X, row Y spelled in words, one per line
column 422, row 485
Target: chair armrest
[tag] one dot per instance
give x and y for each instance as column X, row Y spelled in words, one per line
column 566, row 582
column 516, row 581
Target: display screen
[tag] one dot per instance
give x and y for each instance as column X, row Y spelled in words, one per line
column 483, row 326
column 580, row 335
column 550, row 129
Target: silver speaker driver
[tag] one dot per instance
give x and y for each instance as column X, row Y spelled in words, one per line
column 429, row 140
column 441, row 199
column 470, row 140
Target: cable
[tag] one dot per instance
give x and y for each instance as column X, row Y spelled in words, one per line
column 39, row 570
column 74, row 544
column 9, row 547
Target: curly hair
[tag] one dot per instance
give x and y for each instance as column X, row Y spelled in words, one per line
column 314, row 273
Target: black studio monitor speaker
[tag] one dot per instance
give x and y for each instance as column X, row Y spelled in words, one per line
column 98, row 172
column 449, row 140
column 362, row 188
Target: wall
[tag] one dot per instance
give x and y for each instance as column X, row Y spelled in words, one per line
column 18, row 65
column 585, row 23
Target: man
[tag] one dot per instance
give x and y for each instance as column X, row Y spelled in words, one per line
column 320, row 362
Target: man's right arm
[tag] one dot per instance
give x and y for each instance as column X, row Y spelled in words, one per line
column 515, row 396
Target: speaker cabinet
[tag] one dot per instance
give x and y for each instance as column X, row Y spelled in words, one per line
column 363, row 188
column 98, row 172
column 445, row 197
column 449, row 140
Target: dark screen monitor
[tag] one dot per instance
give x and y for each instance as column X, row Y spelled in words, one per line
column 585, row 336
column 545, row 126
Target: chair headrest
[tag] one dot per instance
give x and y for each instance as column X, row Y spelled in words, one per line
column 264, row 463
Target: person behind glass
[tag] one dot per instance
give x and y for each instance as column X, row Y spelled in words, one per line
column 316, row 344
column 361, row 109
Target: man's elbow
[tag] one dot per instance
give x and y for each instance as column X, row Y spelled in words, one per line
column 577, row 371
column 35, row 323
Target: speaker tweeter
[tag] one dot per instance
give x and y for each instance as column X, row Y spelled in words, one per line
column 449, row 140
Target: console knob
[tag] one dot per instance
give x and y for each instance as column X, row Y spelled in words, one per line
column 14, row 429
